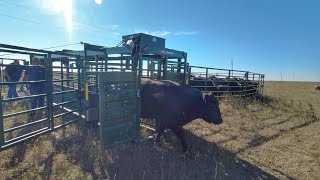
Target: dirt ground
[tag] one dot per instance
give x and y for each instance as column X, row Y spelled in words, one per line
column 274, row 138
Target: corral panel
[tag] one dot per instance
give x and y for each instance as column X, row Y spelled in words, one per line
column 119, row 120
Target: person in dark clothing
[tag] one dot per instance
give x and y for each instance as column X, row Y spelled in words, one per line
column 13, row 73
column 36, row 72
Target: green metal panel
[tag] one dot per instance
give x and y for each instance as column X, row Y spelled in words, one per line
column 147, row 40
column 118, row 107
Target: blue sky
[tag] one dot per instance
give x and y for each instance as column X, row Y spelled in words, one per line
column 269, row 37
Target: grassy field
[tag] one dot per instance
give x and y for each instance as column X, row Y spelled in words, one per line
column 274, row 138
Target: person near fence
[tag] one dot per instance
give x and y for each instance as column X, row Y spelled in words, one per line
column 12, row 74
column 36, row 72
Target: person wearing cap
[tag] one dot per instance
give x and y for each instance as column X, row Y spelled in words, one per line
column 36, row 72
column 12, row 74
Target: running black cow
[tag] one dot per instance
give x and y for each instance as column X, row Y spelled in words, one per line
column 173, row 105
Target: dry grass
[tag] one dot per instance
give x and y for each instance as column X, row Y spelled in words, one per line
column 276, row 137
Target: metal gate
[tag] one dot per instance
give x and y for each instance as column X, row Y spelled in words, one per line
column 119, row 107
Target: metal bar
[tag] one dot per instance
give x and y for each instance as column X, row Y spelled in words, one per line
column 67, row 123
column 219, row 69
column 50, row 92
column 61, row 79
column 68, row 73
column 22, row 97
column 1, row 122
column 21, row 82
column 62, row 114
column 26, row 135
column 24, row 125
column 164, row 63
column 96, row 78
column 229, row 80
column 23, row 48
column 64, row 80
column 14, row 143
column 80, row 87
column 64, row 92
column 206, row 81
column 19, row 52
column 64, row 103
column 159, row 69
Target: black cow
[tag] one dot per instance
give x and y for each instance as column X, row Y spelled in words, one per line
column 173, row 106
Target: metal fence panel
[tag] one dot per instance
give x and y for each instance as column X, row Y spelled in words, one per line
column 119, row 118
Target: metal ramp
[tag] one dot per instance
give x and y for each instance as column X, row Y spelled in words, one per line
column 119, row 107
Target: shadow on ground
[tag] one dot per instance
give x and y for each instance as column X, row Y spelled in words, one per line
column 146, row 160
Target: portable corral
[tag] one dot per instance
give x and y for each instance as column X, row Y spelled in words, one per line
column 226, row 82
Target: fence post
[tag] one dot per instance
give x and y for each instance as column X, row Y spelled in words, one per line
column 1, row 122
column 139, row 76
column 96, row 72
column 246, row 83
column 106, row 61
column 61, row 77
column 165, row 68
column 68, row 72
column 189, row 75
column 122, row 69
column 228, row 89
column 85, row 80
column 179, row 66
column 262, row 77
column 159, row 69
column 80, row 69
column 205, row 83
column 49, row 76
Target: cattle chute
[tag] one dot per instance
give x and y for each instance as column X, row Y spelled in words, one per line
column 73, row 84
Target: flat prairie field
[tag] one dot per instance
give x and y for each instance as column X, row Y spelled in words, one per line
column 275, row 137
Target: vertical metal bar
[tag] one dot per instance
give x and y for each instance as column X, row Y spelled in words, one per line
column 165, row 68
column 246, row 83
column 179, row 66
column 96, row 78
column 262, row 84
column 106, row 62
column 159, row 69
column 84, row 79
column 68, row 72
column 187, row 80
column 49, row 95
column 72, row 75
column 139, row 92
column 1, row 122
column 61, row 77
column 122, row 66
column 148, row 68
column 206, row 82
column 228, row 89
column 80, row 77
column 253, row 88
column 258, row 88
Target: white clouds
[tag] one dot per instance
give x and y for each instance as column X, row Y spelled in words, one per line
column 99, row 2
column 165, row 33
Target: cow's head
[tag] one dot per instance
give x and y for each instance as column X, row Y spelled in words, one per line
column 212, row 112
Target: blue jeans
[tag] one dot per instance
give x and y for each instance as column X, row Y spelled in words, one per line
column 12, row 92
column 37, row 102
